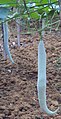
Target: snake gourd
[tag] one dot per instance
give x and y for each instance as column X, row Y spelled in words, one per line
column 41, row 83
column 3, row 15
column 6, row 46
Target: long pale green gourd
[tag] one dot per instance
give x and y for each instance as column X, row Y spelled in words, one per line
column 6, row 46
column 3, row 14
column 41, row 83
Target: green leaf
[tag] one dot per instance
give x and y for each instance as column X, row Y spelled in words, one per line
column 51, row 13
column 35, row 15
column 40, row 10
column 44, row 1
column 10, row 3
column 7, row 1
column 33, row 1
column 54, row 0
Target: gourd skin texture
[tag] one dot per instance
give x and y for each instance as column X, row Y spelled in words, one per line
column 41, row 83
column 6, row 46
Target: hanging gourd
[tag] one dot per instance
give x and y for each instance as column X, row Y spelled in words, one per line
column 41, row 83
column 3, row 15
column 6, row 46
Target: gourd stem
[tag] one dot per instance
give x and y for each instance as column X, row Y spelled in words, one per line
column 43, row 26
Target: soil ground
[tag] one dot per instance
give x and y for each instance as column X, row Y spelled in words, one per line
column 18, row 82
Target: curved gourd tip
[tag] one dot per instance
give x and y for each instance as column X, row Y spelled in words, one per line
column 9, row 54
column 41, row 83
column 48, row 111
column 12, row 61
